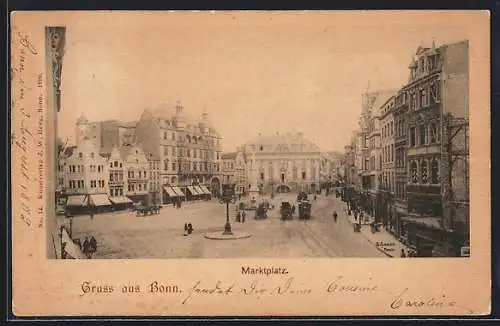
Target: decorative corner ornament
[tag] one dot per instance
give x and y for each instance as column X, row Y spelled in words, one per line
column 56, row 41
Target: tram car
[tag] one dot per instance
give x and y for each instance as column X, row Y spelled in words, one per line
column 304, row 210
column 286, row 211
column 261, row 212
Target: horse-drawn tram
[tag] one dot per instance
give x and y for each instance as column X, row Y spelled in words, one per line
column 304, row 210
column 286, row 211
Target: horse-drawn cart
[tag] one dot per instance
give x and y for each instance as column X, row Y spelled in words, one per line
column 147, row 210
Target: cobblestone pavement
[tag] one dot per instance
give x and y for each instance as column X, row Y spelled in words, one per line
column 124, row 235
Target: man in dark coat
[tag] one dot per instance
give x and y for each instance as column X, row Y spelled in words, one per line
column 86, row 247
column 93, row 245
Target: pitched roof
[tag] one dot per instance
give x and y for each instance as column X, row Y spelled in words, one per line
column 285, row 139
column 382, row 97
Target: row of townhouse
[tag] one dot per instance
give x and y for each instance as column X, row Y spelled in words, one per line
column 183, row 154
column 106, row 181
column 408, row 163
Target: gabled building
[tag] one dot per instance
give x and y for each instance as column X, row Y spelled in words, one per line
column 117, row 180
column 86, row 178
column 137, row 169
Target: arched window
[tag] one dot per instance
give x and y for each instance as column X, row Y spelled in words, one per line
column 413, row 172
column 435, row 172
column 188, row 139
column 423, row 172
column 195, row 140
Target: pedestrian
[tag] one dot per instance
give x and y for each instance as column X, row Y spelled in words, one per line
column 403, row 255
column 91, row 208
column 335, row 216
column 243, row 216
column 93, row 245
column 238, row 217
column 190, row 228
column 86, row 247
column 185, row 229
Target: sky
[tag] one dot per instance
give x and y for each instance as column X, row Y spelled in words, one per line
column 252, row 72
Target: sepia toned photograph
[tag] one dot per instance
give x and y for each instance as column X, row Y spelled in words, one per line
column 250, row 163
column 287, row 147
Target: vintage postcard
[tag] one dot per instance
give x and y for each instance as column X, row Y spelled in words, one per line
column 332, row 163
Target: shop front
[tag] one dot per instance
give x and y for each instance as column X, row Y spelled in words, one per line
column 100, row 203
column 77, row 205
column 121, row 202
column 428, row 239
column 139, row 198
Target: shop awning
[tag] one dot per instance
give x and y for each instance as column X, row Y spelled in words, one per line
column 431, row 222
column 100, row 200
column 200, row 191
column 192, row 190
column 120, row 200
column 77, row 200
column 178, row 191
column 170, row 192
column 205, row 190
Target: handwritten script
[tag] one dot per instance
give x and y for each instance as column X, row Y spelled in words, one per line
column 258, row 289
column 26, row 136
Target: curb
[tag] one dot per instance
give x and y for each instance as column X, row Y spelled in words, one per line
column 373, row 244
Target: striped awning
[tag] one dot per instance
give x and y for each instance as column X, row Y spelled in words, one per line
column 77, row 200
column 199, row 190
column 192, row 190
column 178, row 191
column 170, row 192
column 120, row 200
column 100, row 200
column 205, row 190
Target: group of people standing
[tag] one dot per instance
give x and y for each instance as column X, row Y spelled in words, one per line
column 409, row 254
column 188, row 228
column 89, row 247
column 241, row 216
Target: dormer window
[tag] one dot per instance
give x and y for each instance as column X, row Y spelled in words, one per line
column 91, row 155
column 261, row 148
column 80, row 155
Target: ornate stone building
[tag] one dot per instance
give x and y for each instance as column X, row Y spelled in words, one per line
column 189, row 150
column 437, row 90
column 284, row 163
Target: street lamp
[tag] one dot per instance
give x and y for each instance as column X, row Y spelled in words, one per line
column 228, row 196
